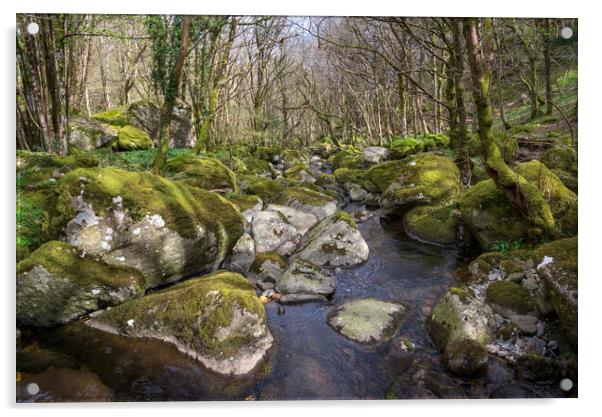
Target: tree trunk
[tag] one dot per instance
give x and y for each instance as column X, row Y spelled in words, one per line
column 522, row 195
column 170, row 100
column 547, row 66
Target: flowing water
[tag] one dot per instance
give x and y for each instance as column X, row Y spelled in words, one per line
column 308, row 360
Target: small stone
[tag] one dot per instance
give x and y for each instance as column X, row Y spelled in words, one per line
column 281, row 310
column 541, row 329
column 264, row 299
column 530, row 284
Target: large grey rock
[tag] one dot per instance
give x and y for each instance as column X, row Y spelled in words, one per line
column 216, row 319
column 303, row 277
column 88, row 134
column 308, row 201
column 272, row 232
column 57, row 284
column 375, row 154
column 368, row 320
column 301, row 220
column 333, row 242
column 145, row 115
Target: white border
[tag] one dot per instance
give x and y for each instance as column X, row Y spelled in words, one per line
column 590, row 154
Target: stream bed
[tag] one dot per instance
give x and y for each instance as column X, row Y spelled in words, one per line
column 308, row 360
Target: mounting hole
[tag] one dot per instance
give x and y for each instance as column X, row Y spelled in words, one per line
column 566, row 384
column 566, row 32
column 33, row 388
column 33, row 28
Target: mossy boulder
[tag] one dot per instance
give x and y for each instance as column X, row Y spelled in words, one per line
column 437, row 225
column 459, row 316
column 423, row 179
column 510, row 299
column 242, row 256
column 559, row 197
column 299, row 173
column 308, row 201
column 292, row 157
column 569, row 179
column 375, row 154
column 303, row 277
column 145, row 115
column 346, row 159
column 165, row 229
column 467, row 358
column 88, row 134
column 216, row 319
column 368, row 320
column 359, row 177
column 131, row 138
column 201, row 172
column 557, row 266
column 264, row 188
column 57, row 283
column 256, row 166
column 560, row 157
column 401, row 148
column 245, row 202
column 489, row 217
column 37, row 174
column 333, row 242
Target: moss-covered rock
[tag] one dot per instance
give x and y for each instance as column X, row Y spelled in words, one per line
column 57, row 284
column 201, row 172
column 88, row 134
column 401, row 148
column 560, row 157
column 346, row 159
column 264, row 188
column 509, row 299
column 245, row 202
column 489, row 217
column 131, row 138
column 559, row 197
column 299, row 173
column 308, row 201
column 145, row 115
column 558, row 267
column 375, row 154
column 438, row 225
column 256, row 166
column 360, row 177
column 303, row 277
column 165, row 229
column 292, row 157
column 569, row 179
column 459, row 316
column 267, row 269
column 37, row 174
column 216, row 319
column 467, row 358
column 418, row 180
column 368, row 320
column 333, row 242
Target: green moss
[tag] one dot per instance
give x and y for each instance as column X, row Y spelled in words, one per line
column 304, row 196
column 183, row 208
column 510, row 295
column 560, row 157
column 131, row 138
column 437, row 225
column 243, row 201
column 65, row 261
column 325, row 179
column 489, row 218
column 264, row 188
column 356, row 176
column 346, row 159
column 569, row 180
column 556, row 194
column 193, row 312
column 116, row 117
column 343, row 216
column 400, row 148
column 295, row 156
column 260, row 258
column 32, row 213
column 257, row 166
column 201, row 172
column 420, row 179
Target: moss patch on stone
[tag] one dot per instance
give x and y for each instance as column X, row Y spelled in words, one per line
column 201, row 172
column 438, row 225
column 131, row 138
column 262, row 257
column 511, row 296
column 264, row 188
column 243, row 201
column 304, row 196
